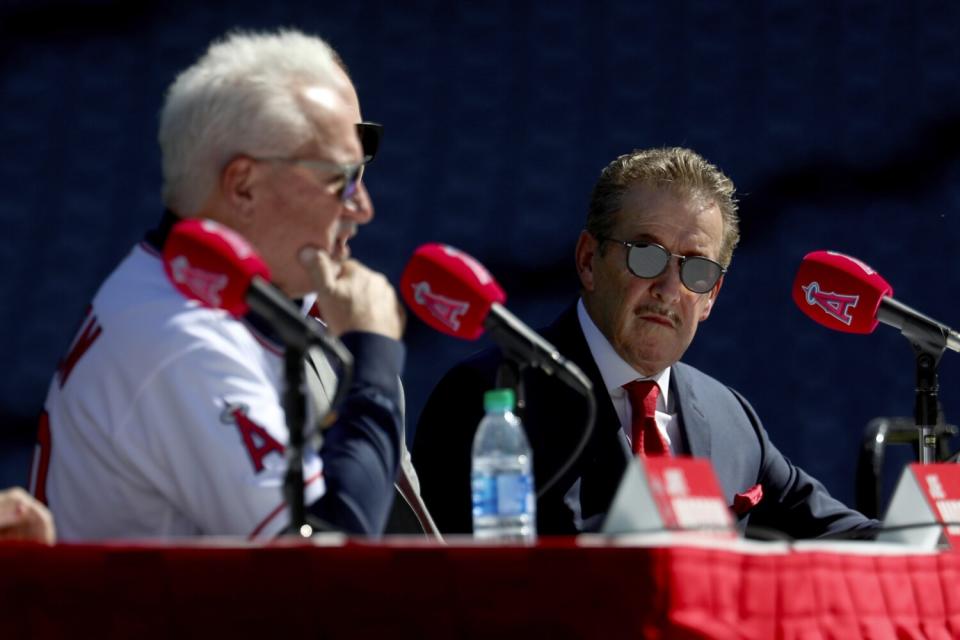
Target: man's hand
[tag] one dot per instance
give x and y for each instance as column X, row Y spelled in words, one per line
column 352, row 297
column 23, row 518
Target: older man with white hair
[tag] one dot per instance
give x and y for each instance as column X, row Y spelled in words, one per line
column 165, row 418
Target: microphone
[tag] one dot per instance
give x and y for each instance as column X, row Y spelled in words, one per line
column 456, row 295
column 844, row 294
column 209, row 262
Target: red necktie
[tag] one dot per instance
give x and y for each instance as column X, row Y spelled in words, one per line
column 646, row 437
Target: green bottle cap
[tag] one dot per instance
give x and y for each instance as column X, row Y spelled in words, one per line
column 499, row 400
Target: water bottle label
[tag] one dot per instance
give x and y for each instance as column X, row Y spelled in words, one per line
column 505, row 494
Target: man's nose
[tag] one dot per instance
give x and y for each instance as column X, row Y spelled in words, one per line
column 360, row 206
column 667, row 286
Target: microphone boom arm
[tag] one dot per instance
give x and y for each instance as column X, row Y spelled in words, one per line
column 918, row 328
column 515, row 337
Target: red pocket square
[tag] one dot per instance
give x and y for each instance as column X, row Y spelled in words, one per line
column 743, row 502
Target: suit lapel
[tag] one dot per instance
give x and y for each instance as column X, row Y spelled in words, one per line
column 693, row 419
column 567, row 336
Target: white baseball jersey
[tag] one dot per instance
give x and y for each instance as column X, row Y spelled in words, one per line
column 165, row 419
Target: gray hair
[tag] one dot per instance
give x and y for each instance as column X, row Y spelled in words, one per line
column 671, row 167
column 239, row 97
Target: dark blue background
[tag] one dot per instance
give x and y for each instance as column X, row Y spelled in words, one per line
column 838, row 121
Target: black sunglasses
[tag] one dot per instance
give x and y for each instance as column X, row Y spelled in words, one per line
column 370, row 134
column 649, row 260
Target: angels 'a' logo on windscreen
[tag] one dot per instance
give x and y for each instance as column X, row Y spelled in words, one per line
column 206, row 285
column 446, row 310
column 836, row 305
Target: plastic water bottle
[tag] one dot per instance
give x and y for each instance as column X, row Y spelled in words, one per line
column 504, row 505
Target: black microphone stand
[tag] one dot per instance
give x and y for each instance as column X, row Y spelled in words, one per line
column 295, row 409
column 927, row 406
column 929, row 342
column 284, row 317
column 303, row 523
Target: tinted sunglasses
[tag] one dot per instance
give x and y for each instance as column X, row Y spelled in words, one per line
column 370, row 134
column 649, row 260
column 352, row 173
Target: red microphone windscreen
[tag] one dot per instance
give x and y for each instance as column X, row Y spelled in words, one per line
column 839, row 292
column 211, row 263
column 449, row 290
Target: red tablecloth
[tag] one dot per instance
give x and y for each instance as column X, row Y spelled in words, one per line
column 556, row 589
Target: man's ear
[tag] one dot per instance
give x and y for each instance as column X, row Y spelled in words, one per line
column 236, row 183
column 586, row 251
column 711, row 299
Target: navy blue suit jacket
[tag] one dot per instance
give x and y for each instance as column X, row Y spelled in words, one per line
column 717, row 422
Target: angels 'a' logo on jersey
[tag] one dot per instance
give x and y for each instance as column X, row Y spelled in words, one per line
column 446, row 310
column 836, row 305
column 206, row 285
column 257, row 440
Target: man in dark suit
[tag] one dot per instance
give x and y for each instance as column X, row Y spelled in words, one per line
column 660, row 233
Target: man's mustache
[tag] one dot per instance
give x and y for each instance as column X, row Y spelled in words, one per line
column 668, row 314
